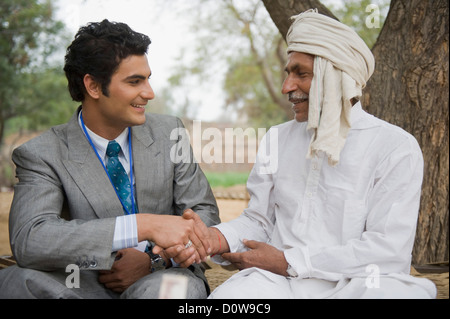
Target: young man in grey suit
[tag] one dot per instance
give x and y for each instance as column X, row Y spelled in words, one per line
column 65, row 209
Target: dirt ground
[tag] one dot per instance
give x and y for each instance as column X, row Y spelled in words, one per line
column 5, row 204
column 229, row 209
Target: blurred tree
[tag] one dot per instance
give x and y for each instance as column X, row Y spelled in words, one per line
column 254, row 76
column 238, row 40
column 243, row 35
column 29, row 88
column 354, row 13
column 281, row 11
column 42, row 101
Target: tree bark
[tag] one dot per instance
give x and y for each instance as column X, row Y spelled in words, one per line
column 409, row 88
column 282, row 10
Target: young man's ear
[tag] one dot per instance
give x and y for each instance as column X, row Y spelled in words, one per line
column 93, row 88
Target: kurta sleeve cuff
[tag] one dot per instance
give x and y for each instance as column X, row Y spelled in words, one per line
column 234, row 242
column 298, row 258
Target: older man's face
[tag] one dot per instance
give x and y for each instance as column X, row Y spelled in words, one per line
column 297, row 84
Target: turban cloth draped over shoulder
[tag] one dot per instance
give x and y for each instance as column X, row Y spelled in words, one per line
column 342, row 65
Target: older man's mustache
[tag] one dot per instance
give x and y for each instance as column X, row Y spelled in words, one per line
column 297, row 97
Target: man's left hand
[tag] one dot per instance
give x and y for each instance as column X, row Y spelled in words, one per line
column 260, row 255
column 130, row 266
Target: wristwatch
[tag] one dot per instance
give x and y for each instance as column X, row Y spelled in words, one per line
column 157, row 262
column 291, row 272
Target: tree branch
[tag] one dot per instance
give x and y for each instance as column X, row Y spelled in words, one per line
column 282, row 10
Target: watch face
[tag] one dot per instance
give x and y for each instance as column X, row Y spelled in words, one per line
column 158, row 263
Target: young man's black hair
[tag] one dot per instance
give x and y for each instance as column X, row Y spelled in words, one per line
column 97, row 50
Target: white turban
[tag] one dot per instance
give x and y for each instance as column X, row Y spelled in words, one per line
column 343, row 64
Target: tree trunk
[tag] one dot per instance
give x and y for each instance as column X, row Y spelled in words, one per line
column 410, row 88
column 282, row 10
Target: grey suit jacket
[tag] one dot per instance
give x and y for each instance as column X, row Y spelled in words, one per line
column 64, row 206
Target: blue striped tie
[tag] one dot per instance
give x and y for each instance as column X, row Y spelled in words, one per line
column 118, row 176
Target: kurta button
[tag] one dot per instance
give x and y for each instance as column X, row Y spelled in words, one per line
column 93, row 264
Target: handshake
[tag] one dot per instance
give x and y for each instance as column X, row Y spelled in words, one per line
column 185, row 239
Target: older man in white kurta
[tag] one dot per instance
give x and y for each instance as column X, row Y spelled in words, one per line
column 338, row 195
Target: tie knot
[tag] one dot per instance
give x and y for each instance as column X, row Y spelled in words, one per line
column 113, row 149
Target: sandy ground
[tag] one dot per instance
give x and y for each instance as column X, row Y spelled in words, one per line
column 229, row 209
column 5, row 204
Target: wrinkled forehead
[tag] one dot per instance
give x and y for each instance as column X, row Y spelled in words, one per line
column 299, row 60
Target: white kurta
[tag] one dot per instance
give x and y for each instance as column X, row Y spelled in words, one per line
column 348, row 231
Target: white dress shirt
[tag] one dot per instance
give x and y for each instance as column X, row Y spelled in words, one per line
column 125, row 233
column 332, row 222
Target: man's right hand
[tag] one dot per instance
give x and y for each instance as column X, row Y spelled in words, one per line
column 198, row 251
column 167, row 230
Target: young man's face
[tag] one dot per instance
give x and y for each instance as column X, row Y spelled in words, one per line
column 297, row 84
column 129, row 92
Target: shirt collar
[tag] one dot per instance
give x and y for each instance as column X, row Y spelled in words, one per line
column 356, row 113
column 359, row 119
column 101, row 143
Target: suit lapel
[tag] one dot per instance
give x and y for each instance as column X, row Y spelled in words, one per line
column 88, row 173
column 148, row 165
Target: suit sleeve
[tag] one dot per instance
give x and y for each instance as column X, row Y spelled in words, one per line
column 40, row 237
column 191, row 188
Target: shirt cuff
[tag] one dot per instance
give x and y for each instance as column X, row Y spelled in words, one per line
column 125, row 232
column 299, row 260
column 233, row 240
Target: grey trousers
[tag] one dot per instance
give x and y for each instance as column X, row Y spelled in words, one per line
column 22, row 283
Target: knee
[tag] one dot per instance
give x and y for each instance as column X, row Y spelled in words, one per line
column 150, row 286
column 389, row 287
column 20, row 283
